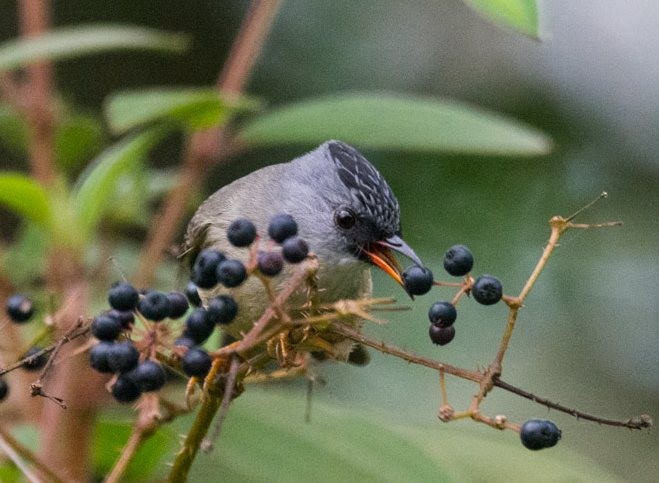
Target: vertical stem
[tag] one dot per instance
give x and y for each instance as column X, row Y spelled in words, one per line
column 34, row 17
column 204, row 148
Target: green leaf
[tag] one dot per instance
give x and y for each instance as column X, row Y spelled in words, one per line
column 13, row 130
column 196, row 108
column 25, row 197
column 72, row 42
column 25, row 259
column 344, row 444
column 109, row 438
column 77, row 139
column 97, row 183
column 387, row 121
column 520, row 15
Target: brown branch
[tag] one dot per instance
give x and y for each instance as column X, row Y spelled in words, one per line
column 206, row 148
column 13, row 445
column 37, row 93
column 638, row 422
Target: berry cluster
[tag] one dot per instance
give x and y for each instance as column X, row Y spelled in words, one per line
column 133, row 363
column 486, row 290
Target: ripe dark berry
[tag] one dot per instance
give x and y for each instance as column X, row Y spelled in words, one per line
column 231, row 273
column 282, row 227
column 154, row 306
column 241, row 233
column 123, row 296
column 192, row 294
column 487, row 290
column 539, row 433
column 222, row 309
column 122, row 356
column 124, row 316
column 270, row 263
column 34, row 363
column 205, row 268
column 149, row 376
column 359, row 356
column 196, row 362
column 294, row 249
column 198, row 326
column 418, row 280
column 178, row 305
column 442, row 314
column 98, row 356
column 4, row 389
column 458, row 260
column 106, row 327
column 441, row 335
column 19, row 308
column 184, row 341
column 125, row 389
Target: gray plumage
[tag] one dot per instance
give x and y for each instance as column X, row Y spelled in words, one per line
column 334, row 178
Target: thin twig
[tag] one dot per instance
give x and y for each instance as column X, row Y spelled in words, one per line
column 15, row 450
column 227, row 397
column 638, row 422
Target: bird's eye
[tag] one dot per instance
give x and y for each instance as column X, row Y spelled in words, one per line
column 344, row 218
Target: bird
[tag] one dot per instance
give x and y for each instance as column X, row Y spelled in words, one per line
column 344, row 209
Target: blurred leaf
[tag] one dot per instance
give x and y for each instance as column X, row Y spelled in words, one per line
column 24, row 260
column 98, row 182
column 77, row 139
column 109, row 438
column 520, row 15
column 196, row 108
column 343, row 444
column 71, row 42
column 387, row 121
column 26, row 197
column 13, row 130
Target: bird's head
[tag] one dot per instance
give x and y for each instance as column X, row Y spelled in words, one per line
column 362, row 214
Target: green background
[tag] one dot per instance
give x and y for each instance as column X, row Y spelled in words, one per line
column 588, row 335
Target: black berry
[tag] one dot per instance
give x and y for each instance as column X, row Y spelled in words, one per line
column 4, row 389
column 178, row 305
column 123, row 296
column 106, row 327
column 539, row 433
column 441, row 335
column 205, row 268
column 185, row 341
column 196, row 362
column 270, row 263
column 19, row 308
column 149, row 376
column 192, row 294
column 294, row 249
column 241, row 232
column 198, row 326
column 487, row 290
column 154, row 306
column 282, row 227
column 231, row 273
column 34, row 363
column 122, row 356
column 442, row 314
column 222, row 309
column 417, row 280
column 98, row 356
column 125, row 389
column 359, row 356
column 458, row 260
column 126, row 317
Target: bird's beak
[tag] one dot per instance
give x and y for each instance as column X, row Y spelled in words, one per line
column 380, row 254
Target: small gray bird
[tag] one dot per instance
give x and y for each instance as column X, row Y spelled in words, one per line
column 344, row 209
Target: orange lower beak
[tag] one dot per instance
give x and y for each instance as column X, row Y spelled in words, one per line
column 380, row 254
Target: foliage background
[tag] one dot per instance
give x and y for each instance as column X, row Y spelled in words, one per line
column 588, row 335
